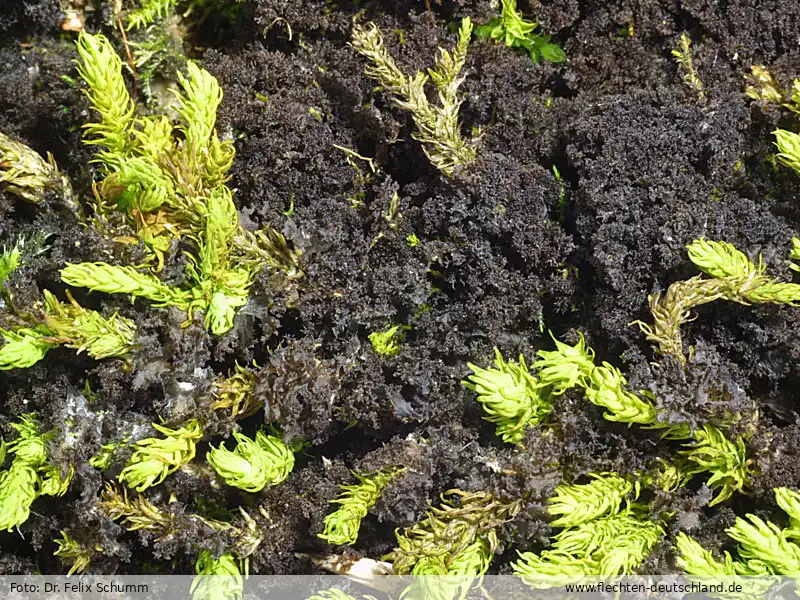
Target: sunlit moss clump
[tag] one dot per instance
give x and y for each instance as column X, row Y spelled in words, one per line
column 165, row 183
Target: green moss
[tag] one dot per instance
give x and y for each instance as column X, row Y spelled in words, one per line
column 513, row 30
column 387, row 343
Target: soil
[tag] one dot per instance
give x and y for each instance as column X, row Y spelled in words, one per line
column 506, row 253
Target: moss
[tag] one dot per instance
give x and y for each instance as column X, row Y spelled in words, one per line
column 637, row 157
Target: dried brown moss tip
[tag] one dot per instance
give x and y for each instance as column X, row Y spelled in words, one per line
column 139, row 513
column 74, row 553
column 683, row 56
column 237, row 393
column 762, row 86
column 26, row 174
column 734, row 277
column 438, row 543
column 437, row 126
column 167, row 523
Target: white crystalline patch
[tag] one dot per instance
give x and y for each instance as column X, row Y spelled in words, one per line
column 79, row 416
column 367, row 568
